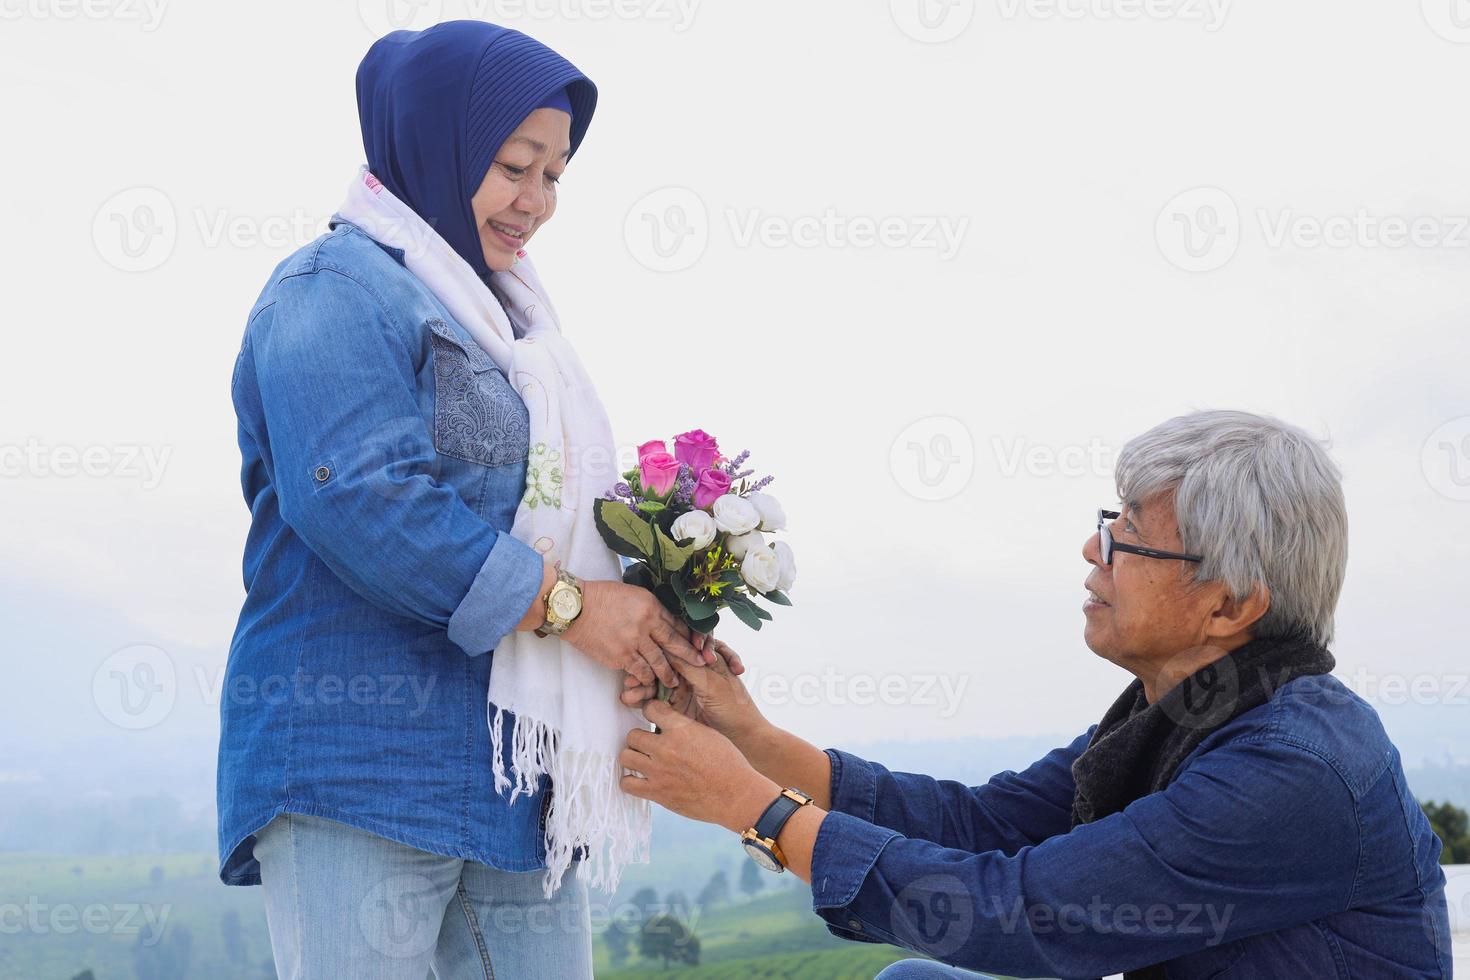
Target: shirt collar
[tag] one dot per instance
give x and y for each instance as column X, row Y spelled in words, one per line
column 397, row 253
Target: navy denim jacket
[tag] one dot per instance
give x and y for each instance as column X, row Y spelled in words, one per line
column 1287, row 846
column 383, row 457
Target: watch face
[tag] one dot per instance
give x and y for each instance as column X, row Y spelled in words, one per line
column 566, row 603
column 762, row 856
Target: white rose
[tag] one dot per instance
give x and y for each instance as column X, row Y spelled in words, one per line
column 739, row 544
column 786, row 561
column 773, row 518
column 760, row 569
column 697, row 525
column 735, row 515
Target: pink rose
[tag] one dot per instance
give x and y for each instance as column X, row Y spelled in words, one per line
column 696, row 449
column 713, row 484
column 658, row 471
column 651, row 447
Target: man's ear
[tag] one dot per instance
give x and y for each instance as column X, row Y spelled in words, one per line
column 1232, row 616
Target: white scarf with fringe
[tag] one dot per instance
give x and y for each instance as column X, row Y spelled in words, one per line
column 568, row 722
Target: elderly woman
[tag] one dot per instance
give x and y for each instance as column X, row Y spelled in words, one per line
column 420, row 449
column 1237, row 811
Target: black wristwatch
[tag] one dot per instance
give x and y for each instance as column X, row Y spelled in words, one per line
column 760, row 841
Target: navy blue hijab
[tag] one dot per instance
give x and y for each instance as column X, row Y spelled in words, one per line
column 435, row 106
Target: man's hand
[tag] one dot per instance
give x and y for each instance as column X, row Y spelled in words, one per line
column 711, row 695
column 694, row 771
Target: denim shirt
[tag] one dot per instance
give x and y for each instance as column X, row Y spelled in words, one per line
column 1287, row 845
column 383, row 457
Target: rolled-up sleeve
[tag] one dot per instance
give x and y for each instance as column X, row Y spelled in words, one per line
column 1254, row 836
column 353, row 465
column 836, row 885
column 499, row 596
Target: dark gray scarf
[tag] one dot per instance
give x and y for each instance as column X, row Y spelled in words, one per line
column 1138, row 746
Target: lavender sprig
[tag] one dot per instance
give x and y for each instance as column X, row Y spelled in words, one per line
column 730, row 466
column 684, row 487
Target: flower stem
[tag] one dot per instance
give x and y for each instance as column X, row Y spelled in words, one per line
column 665, row 694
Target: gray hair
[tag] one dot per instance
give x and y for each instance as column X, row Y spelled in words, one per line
column 1260, row 500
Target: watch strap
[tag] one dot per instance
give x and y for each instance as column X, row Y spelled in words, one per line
column 775, row 816
column 553, row 625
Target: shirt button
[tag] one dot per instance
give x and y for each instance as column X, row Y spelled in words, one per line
column 854, row 925
column 322, row 473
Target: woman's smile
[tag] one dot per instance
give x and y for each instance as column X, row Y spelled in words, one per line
column 508, row 235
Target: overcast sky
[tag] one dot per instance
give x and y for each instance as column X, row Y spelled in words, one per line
column 933, row 265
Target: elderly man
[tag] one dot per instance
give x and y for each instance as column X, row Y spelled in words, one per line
column 1237, row 812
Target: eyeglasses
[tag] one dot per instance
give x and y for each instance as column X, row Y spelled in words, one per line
column 1109, row 546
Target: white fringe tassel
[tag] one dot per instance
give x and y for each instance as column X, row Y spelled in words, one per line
column 589, row 810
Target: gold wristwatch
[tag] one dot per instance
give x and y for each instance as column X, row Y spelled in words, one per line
column 563, row 604
column 760, row 841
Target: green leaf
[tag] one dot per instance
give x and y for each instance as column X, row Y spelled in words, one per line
column 698, row 608
column 650, row 507
column 745, row 612
column 776, row 596
column 674, row 556
column 624, row 531
column 744, row 600
column 670, row 599
column 617, row 544
column 731, row 575
column 705, row 626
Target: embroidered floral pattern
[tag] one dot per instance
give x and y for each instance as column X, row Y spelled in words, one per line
column 543, row 477
column 478, row 417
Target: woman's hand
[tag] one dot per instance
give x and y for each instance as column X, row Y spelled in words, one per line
column 626, row 628
column 636, row 692
column 694, row 771
column 712, row 695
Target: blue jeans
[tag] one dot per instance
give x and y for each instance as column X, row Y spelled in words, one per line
column 926, row 970
column 343, row 902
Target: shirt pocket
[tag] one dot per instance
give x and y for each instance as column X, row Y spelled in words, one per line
column 478, row 417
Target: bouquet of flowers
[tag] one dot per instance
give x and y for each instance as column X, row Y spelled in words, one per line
column 696, row 523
